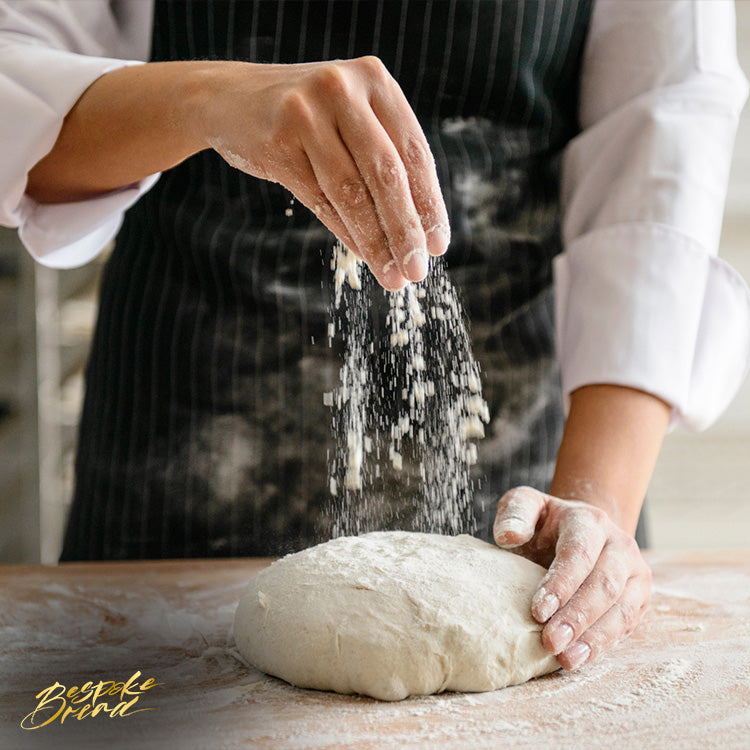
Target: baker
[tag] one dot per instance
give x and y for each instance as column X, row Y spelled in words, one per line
column 592, row 137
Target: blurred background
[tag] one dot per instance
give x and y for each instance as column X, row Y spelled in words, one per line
column 699, row 496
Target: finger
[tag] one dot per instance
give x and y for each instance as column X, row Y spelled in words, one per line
column 598, row 593
column 385, row 176
column 581, row 540
column 614, row 625
column 341, row 182
column 518, row 512
column 401, row 124
column 300, row 180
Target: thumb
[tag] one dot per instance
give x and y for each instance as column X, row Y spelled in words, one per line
column 517, row 514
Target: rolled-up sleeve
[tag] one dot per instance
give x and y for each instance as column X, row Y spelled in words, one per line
column 642, row 298
column 50, row 53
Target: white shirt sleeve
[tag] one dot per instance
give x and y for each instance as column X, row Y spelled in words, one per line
column 50, row 53
column 642, row 300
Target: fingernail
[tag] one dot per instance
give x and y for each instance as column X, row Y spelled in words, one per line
column 545, row 604
column 577, row 654
column 560, row 637
column 392, row 278
column 438, row 239
column 415, row 264
column 505, row 526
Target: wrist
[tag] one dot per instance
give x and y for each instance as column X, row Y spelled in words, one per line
column 611, row 441
column 621, row 508
column 202, row 87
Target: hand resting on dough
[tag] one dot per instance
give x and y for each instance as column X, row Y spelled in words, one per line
column 597, row 586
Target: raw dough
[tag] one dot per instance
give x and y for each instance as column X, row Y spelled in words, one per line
column 392, row 614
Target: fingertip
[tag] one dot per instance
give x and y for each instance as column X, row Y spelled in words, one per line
column 557, row 638
column 510, row 531
column 391, row 278
column 544, row 605
column 438, row 239
column 575, row 656
column 415, row 264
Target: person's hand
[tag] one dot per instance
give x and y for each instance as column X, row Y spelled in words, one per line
column 339, row 135
column 343, row 139
column 598, row 585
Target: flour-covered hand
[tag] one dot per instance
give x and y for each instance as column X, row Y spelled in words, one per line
column 597, row 586
column 343, row 139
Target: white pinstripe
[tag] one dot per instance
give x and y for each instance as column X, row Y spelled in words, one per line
column 490, row 74
column 469, row 58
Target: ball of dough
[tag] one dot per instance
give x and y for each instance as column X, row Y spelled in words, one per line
column 393, row 614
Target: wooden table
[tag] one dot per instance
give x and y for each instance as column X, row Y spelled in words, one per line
column 681, row 681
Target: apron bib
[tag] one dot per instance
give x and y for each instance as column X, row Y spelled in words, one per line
column 203, row 431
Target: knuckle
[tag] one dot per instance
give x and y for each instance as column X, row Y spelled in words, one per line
column 561, row 583
column 321, row 207
column 597, row 515
column 390, row 173
column 578, row 618
column 295, row 110
column 417, row 152
column 580, row 553
column 630, row 617
column 352, row 193
column 406, row 235
column 518, row 496
column 611, row 587
column 373, row 68
column 333, row 81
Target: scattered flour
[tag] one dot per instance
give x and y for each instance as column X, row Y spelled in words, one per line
column 409, row 395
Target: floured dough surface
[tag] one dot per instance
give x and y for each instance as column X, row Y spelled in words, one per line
column 392, row 614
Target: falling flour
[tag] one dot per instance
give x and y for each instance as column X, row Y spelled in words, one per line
column 408, row 407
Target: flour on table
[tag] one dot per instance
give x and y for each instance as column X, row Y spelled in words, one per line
column 393, row 614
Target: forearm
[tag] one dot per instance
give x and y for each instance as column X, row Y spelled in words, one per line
column 339, row 135
column 128, row 124
column 609, row 449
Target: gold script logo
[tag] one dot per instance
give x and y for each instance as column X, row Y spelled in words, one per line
column 92, row 698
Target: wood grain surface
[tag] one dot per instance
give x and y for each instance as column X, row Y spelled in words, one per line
column 681, row 681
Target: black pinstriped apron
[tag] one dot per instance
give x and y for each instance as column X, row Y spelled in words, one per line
column 203, row 431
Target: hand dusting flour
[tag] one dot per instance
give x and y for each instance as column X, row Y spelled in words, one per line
column 408, row 408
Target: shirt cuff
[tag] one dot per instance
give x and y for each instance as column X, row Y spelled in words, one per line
column 60, row 235
column 66, row 235
column 641, row 305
